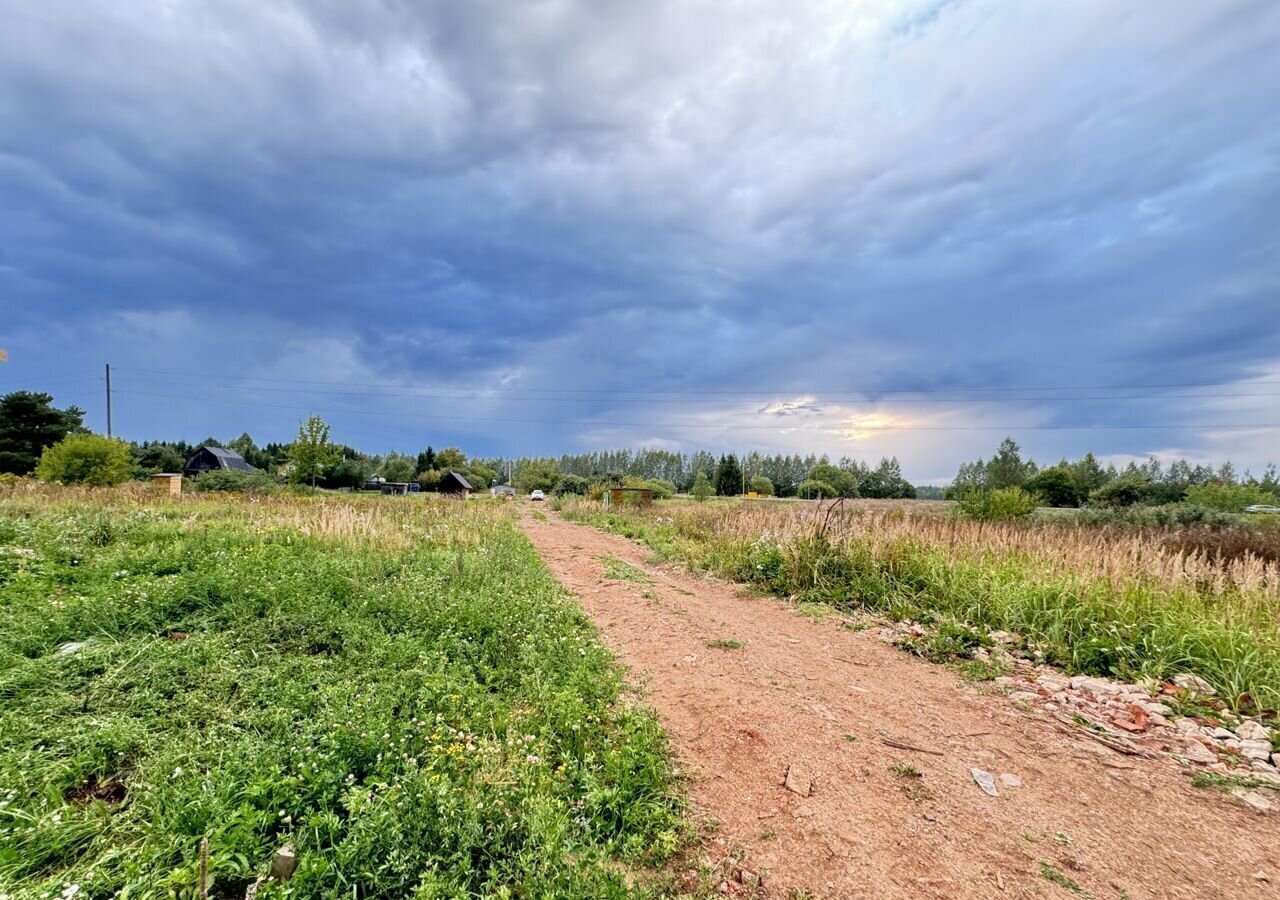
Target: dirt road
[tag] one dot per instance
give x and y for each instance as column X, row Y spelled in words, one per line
column 820, row 699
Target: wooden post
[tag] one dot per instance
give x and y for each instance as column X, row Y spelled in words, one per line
column 204, row 868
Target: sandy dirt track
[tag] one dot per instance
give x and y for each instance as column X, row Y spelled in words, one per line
column 820, row 698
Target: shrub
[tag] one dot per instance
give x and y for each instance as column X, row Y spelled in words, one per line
column 1055, row 487
column 812, row 487
column 998, row 505
column 570, row 484
column 1227, row 497
column 762, row 486
column 86, row 459
column 702, row 488
column 1124, row 491
column 234, row 480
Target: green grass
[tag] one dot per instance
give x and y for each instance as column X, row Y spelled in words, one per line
column 400, row 691
column 724, row 644
column 617, row 570
column 1051, row 873
column 1219, row 782
column 1124, row 626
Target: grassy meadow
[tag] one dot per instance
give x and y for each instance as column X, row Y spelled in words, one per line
column 1101, row 600
column 396, row 687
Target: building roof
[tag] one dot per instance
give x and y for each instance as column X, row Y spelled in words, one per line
column 462, row 482
column 227, row 459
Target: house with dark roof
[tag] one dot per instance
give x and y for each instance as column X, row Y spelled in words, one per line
column 208, row 459
column 454, row 485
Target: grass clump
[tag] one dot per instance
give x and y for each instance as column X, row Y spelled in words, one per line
column 1051, row 873
column 617, row 570
column 400, row 691
column 725, row 644
column 1104, row 601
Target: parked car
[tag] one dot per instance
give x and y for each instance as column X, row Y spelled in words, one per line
column 537, row 495
column 1263, row 508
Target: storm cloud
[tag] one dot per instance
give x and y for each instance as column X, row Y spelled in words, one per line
column 536, row 227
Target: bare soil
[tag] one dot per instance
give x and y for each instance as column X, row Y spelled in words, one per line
column 820, row 699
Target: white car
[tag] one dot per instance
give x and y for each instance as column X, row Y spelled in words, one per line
column 1262, row 508
column 537, row 495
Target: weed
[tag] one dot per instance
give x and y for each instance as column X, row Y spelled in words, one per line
column 1051, row 873
column 905, row 770
column 617, row 570
column 401, row 691
column 724, row 644
column 1219, row 782
column 849, row 737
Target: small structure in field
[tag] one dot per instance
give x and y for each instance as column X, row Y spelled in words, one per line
column 207, row 459
column 502, row 490
column 454, row 485
column 628, row 496
column 171, row 481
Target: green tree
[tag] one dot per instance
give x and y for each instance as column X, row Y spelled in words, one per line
column 158, row 457
column 728, row 476
column 426, row 460
column 840, row 482
column 762, row 485
column 997, row 505
column 1007, row 468
column 450, row 458
column 86, row 459
column 397, row 467
column 1228, row 497
column 1127, row 490
column 702, row 488
column 28, row 424
column 311, row 454
column 1055, row 486
column 811, row 488
column 1088, row 475
column 536, row 475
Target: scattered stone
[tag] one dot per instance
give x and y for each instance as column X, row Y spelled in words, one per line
column 1127, row 724
column 1186, row 726
column 747, row 877
column 1098, row 686
column 1156, row 709
column 929, row 817
column 283, row 863
column 1217, row 733
column 1159, row 720
column 1024, row 696
column 1275, row 760
column 1134, row 697
column 1255, row 749
column 803, row 812
column 1009, row 780
column 1003, row 681
column 797, row 781
column 984, row 780
column 1249, row 730
column 1255, row 800
column 1078, row 682
column 1189, row 682
column 1261, row 876
column 1003, row 637
column 1197, row 752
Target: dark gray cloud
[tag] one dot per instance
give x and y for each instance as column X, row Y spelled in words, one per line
column 613, row 197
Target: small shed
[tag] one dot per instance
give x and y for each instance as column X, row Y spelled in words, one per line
column 207, row 459
column 454, row 485
column 628, row 496
column 502, row 490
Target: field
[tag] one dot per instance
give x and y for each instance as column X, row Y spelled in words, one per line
column 399, row 690
column 1108, row 601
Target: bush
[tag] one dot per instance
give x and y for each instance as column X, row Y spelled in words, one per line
column 571, row 484
column 1124, row 491
column 812, row 487
column 998, row 505
column 86, row 459
column 762, row 486
column 1055, row 487
column 1228, row 497
column 234, row 480
column 702, row 488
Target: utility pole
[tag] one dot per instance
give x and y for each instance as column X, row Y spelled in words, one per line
column 108, row 399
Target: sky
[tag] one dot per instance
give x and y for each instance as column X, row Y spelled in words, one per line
column 854, row 227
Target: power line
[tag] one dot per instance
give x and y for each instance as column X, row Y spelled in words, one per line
column 410, row 392
column 759, row 391
column 779, row 426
